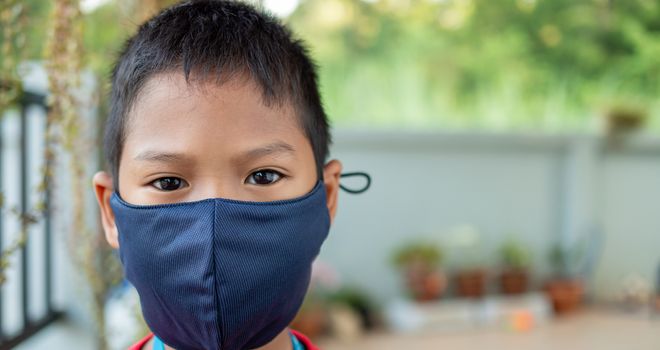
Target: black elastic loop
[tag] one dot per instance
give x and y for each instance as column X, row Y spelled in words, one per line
column 356, row 173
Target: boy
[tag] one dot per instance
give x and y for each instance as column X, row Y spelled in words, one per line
column 218, row 195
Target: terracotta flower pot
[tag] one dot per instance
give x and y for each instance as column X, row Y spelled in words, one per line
column 424, row 283
column 565, row 294
column 471, row 283
column 514, row 281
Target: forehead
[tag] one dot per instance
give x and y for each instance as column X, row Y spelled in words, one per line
column 236, row 101
column 205, row 115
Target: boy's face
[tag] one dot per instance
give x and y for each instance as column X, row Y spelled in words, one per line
column 191, row 142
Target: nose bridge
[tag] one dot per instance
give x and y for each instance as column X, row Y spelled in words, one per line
column 217, row 186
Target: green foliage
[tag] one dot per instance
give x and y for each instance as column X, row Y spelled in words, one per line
column 525, row 64
column 515, row 255
column 103, row 36
column 418, row 252
column 37, row 12
column 567, row 260
column 13, row 16
column 350, row 296
column 358, row 301
column 549, row 65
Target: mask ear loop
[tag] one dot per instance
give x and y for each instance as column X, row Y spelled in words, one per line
column 359, row 190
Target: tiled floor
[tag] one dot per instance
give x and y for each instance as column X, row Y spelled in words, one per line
column 596, row 330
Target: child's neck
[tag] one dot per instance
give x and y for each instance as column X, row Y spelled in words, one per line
column 281, row 342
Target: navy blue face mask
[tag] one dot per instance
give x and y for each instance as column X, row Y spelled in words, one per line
column 220, row 273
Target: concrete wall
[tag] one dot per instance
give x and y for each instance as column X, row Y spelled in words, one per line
column 538, row 189
column 629, row 193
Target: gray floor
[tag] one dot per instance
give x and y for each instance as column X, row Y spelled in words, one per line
column 596, row 330
column 60, row 335
column 588, row 330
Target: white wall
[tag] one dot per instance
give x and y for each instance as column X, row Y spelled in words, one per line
column 540, row 189
column 630, row 196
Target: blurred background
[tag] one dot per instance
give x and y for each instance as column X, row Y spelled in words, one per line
column 514, row 147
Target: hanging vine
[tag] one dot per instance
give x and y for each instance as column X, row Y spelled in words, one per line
column 13, row 22
column 90, row 254
column 63, row 57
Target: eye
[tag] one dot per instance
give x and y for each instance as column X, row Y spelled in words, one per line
column 264, row 177
column 169, row 183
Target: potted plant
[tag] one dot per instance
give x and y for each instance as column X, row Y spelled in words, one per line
column 471, row 283
column 624, row 119
column 352, row 313
column 516, row 259
column 420, row 265
column 566, row 288
column 359, row 302
column 468, row 247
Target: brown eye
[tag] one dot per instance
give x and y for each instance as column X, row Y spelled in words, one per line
column 169, row 183
column 264, row 177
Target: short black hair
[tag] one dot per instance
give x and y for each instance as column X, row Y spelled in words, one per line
column 217, row 40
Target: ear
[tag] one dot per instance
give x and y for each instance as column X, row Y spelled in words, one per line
column 103, row 189
column 331, row 173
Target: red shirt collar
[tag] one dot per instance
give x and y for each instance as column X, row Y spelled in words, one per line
column 301, row 337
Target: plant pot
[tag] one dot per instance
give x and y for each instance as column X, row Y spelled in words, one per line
column 565, row 294
column 471, row 283
column 424, row 284
column 624, row 120
column 624, row 123
column 514, row 281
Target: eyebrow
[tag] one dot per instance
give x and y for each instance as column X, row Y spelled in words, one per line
column 259, row 152
column 163, row 157
column 266, row 150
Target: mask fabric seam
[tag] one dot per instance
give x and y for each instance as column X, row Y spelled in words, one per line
column 219, row 334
